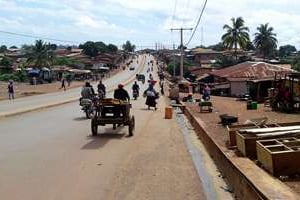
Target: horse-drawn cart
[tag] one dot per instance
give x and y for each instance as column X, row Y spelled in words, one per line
column 115, row 112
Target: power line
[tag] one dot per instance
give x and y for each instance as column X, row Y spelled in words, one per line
column 173, row 16
column 36, row 37
column 186, row 9
column 181, row 47
column 194, row 30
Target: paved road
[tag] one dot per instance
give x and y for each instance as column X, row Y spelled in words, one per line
column 49, row 154
column 39, row 100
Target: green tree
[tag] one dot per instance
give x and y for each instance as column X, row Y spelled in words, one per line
column 217, row 47
column 250, row 46
column 6, row 65
column 236, row 35
column 186, row 65
column 53, row 46
column 3, row 49
column 40, row 55
column 265, row 40
column 296, row 64
column 286, row 50
column 13, row 47
column 89, row 48
column 26, row 48
column 6, row 62
column 112, row 48
column 101, row 47
column 128, row 47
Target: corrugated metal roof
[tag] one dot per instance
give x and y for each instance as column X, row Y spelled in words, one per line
column 254, row 70
column 205, row 51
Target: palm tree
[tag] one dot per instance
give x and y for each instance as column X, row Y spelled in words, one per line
column 236, row 35
column 40, row 55
column 265, row 40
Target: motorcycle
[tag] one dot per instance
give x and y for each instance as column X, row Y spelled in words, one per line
column 88, row 106
column 135, row 94
column 101, row 94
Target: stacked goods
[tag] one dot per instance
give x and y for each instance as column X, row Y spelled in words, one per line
column 246, row 138
column 110, row 101
column 252, row 124
column 280, row 156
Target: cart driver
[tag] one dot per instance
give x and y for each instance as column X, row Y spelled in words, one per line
column 121, row 94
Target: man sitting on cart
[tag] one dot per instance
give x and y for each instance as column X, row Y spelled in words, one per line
column 121, row 94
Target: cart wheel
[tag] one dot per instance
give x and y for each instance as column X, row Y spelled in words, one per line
column 94, row 127
column 131, row 126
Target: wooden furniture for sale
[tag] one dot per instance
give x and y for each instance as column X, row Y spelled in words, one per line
column 279, row 156
column 233, row 128
column 246, row 138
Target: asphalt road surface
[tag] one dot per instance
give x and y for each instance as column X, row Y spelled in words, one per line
column 50, row 154
column 37, row 100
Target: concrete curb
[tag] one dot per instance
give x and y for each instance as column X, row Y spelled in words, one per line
column 35, row 108
column 247, row 180
column 58, row 103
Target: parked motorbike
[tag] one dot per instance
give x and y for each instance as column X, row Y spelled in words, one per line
column 88, row 106
column 135, row 94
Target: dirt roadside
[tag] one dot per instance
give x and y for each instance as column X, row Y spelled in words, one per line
column 25, row 89
column 158, row 166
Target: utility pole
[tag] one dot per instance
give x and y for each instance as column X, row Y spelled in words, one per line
column 174, row 67
column 181, row 47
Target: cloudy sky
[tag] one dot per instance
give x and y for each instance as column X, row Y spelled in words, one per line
column 143, row 22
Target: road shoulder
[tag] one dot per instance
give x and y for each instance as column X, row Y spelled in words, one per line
column 158, row 165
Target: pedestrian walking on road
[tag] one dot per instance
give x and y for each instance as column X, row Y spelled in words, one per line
column 69, row 79
column 161, row 84
column 63, row 84
column 11, row 91
column 151, row 96
column 101, row 90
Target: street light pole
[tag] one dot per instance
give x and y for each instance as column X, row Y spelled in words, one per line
column 181, row 47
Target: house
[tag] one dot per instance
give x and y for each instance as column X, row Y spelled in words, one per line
column 248, row 77
column 205, row 56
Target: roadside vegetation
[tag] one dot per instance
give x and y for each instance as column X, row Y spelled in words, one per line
column 237, row 39
column 42, row 55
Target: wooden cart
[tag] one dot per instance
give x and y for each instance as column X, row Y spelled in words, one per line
column 115, row 112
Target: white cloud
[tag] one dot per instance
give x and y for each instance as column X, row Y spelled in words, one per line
column 145, row 21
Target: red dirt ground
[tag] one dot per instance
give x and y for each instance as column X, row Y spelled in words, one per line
column 25, row 89
column 224, row 105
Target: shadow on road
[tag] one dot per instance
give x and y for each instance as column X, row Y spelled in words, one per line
column 144, row 109
column 96, row 142
column 80, row 118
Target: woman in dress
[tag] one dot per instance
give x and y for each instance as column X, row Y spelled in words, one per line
column 151, row 96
